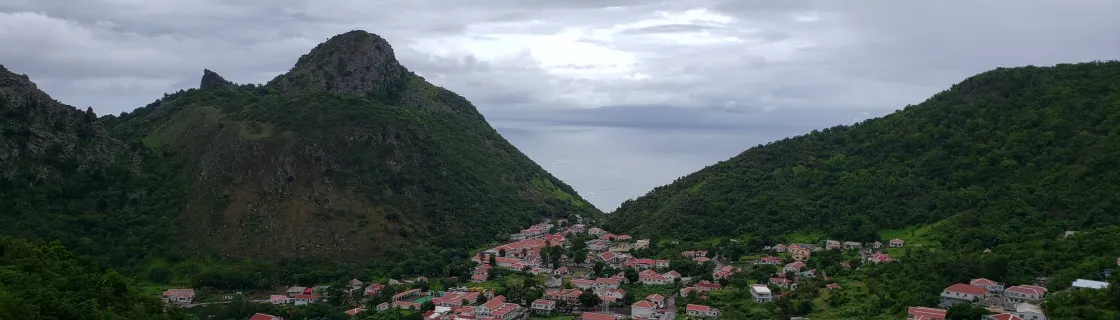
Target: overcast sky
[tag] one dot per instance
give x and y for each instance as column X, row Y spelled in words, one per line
column 613, row 96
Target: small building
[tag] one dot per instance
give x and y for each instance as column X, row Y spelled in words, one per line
column 795, row 266
column 696, row 310
column 961, row 293
column 180, row 296
column 355, row 311
column 262, row 316
column 406, row 295
column 896, row 243
column 770, row 260
column 852, row 245
column 701, row 260
column 781, row 247
column 1089, row 284
column 542, row 306
column 782, row 283
column 1024, row 293
column 1028, row 311
column 657, row 300
column 279, row 299
column 992, row 286
column 761, row 293
column 305, row 299
column 293, row 291
column 923, row 313
column 354, row 284
column 643, row 310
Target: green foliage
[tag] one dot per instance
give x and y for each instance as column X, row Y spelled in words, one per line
column 1006, row 156
column 49, row 282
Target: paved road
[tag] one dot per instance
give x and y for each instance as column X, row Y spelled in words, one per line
column 670, row 307
column 715, row 260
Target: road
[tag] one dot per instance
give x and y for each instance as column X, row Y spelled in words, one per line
column 670, row 307
column 715, row 260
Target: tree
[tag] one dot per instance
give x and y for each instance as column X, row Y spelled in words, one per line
column 502, row 252
column 966, row 311
column 427, row 306
column 579, row 256
column 598, row 268
column 493, row 261
column 631, row 275
column 588, row 299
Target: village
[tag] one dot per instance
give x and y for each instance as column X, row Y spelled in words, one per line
column 614, row 281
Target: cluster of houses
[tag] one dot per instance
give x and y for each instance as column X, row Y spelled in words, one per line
column 1015, row 302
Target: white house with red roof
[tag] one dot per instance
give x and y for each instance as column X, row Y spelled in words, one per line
column 725, row 272
column 374, row 289
column 992, row 286
column 781, row 247
column 639, row 264
column 608, row 237
column 609, row 257
column 596, row 232
column 896, row 243
column 661, row 264
column 1024, row 293
column 564, row 295
column 355, row 311
column 455, row 299
column 650, row 277
column 961, row 293
column 181, row 296
column 597, row 245
column 583, row 283
column 623, row 237
column 707, row 286
column 606, row 283
column 643, row 310
column 542, row 306
column 923, row 313
column 795, row 266
column 696, row 310
column 770, row 260
column 304, row 299
column 1001, row 316
column 657, row 300
column 488, row 308
column 701, row 260
column 410, row 294
column 612, row 295
column 262, row 316
column 880, row 257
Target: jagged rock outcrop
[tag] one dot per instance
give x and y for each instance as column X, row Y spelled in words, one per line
column 211, row 80
column 354, row 62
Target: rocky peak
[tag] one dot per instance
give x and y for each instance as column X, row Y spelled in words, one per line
column 353, row 62
column 211, row 79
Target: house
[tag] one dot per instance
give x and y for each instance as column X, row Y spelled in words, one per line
column 650, row 277
column 694, row 254
column 596, row 316
column 295, row 290
column 961, row 293
column 606, row 283
column 1027, row 311
column 796, row 266
column 923, row 313
column 782, row 283
column 880, row 257
column 488, row 308
column 1088, row 284
column 690, row 290
column 781, row 247
column 672, row 275
column 852, row 245
column 183, row 296
column 354, row 284
column 355, row 311
column 832, row 286
column 707, row 286
column 761, row 293
column 896, row 243
column 661, row 264
column 800, row 253
column 1001, row 316
column 770, row 260
column 639, row 264
column 562, row 271
column 696, row 310
column 643, row 310
column 1017, row 294
column 479, row 278
column 701, row 260
column 724, row 272
column 383, row 306
column 597, row 245
column 304, row 299
column 624, row 238
column 992, row 286
column 611, row 295
column 455, row 299
column 279, row 299
column 832, row 244
column 583, row 283
column 261, row 316
column 406, row 295
column 657, row 300
column 877, row 245
column 542, row 306
column 596, row 232
column 563, row 295
column 608, row 237
column 554, row 281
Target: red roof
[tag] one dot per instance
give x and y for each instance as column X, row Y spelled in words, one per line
column 261, row 316
column 833, row 286
column 982, row 282
column 494, row 303
column 696, row 307
column 1005, row 316
column 607, row 255
column 707, row 284
column 964, row 288
column 796, row 265
column 307, row 296
column 596, row 316
column 179, row 293
column 354, row 311
column 643, row 304
column 655, row 297
column 926, row 313
column 543, row 301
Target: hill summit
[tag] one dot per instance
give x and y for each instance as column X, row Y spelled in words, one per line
column 347, row 157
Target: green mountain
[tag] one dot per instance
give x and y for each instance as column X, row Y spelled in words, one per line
column 1004, row 156
column 348, row 157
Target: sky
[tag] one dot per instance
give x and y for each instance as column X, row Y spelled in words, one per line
column 614, row 97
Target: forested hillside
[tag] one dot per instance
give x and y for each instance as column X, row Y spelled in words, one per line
column 1005, row 156
column 349, row 157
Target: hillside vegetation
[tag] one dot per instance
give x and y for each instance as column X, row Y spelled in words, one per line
column 349, row 157
column 1005, row 156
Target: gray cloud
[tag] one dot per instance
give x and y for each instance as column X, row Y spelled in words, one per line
column 771, row 67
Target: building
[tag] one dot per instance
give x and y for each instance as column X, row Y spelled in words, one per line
column 181, row 296
column 606, row 283
column 1089, row 284
column 781, row 247
column 596, row 232
column 542, row 306
column 296, row 290
column 657, row 299
column 923, row 313
column 794, row 267
column 800, row 253
column 694, row 254
column 1018, row 294
column 761, row 293
column 770, row 260
column 707, row 286
column 406, row 295
column 374, row 289
column 355, row 311
column 583, row 283
column 880, row 257
column 1001, row 316
column 643, row 310
column 852, row 245
column 354, row 284
column 782, row 283
column 305, row 299
column 455, row 299
column 261, row 316
column 992, row 286
column 961, row 293
column 1027, row 311
column 832, row 286
column 279, row 299
column 696, row 310
column 896, row 243
column 832, row 244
